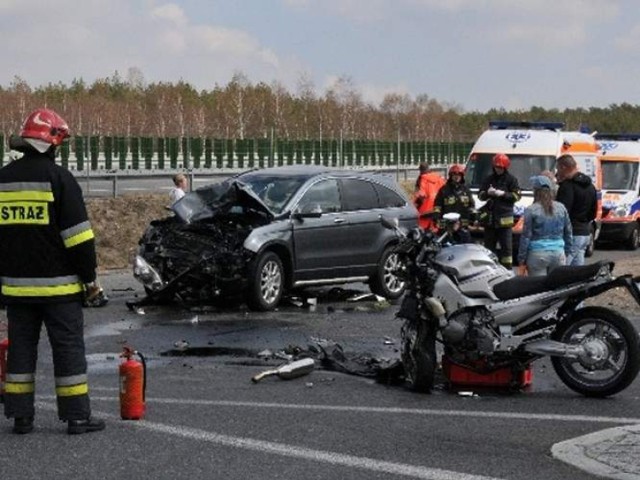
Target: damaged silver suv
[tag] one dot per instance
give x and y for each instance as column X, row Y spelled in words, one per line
column 267, row 231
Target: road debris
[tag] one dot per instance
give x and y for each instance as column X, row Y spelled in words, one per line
column 288, row 371
column 181, row 345
column 365, row 296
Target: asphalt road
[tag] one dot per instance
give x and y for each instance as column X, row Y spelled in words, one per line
column 206, row 419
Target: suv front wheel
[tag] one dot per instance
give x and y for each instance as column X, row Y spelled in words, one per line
column 385, row 281
column 266, row 284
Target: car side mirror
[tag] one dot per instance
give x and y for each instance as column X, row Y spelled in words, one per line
column 390, row 223
column 308, row 211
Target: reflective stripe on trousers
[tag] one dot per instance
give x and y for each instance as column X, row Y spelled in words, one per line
column 64, row 324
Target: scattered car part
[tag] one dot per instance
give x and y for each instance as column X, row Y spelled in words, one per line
column 289, row 370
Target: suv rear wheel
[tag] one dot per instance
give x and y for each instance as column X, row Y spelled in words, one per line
column 385, row 281
column 266, row 283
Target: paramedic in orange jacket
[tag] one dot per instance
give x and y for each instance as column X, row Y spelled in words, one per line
column 428, row 185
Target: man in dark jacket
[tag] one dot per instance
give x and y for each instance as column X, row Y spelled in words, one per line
column 455, row 197
column 501, row 191
column 48, row 266
column 578, row 194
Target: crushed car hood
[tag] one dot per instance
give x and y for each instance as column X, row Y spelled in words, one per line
column 218, row 199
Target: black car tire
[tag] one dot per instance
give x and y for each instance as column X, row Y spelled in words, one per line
column 592, row 244
column 266, row 284
column 384, row 282
column 633, row 241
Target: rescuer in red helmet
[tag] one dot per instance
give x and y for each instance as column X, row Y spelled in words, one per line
column 48, row 268
column 455, row 197
column 500, row 191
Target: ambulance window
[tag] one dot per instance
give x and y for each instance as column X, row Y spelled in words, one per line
column 523, row 167
column 478, row 168
column 619, row 175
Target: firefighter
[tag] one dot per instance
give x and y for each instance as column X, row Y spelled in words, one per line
column 455, row 197
column 427, row 186
column 501, row 191
column 47, row 269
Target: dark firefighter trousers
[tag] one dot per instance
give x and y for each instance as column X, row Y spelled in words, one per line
column 503, row 237
column 64, row 324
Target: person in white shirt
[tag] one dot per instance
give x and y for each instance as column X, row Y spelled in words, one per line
column 179, row 190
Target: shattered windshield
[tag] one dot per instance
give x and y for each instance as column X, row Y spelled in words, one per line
column 523, row 167
column 275, row 191
column 619, row 175
column 255, row 191
column 228, row 197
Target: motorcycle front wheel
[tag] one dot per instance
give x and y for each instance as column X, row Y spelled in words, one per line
column 418, row 355
column 612, row 352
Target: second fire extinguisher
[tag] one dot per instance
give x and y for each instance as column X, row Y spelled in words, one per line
column 133, row 383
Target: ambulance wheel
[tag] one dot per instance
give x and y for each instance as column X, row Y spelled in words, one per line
column 633, row 242
column 592, row 245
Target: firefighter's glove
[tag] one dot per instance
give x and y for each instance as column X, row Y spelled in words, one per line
column 94, row 295
column 494, row 192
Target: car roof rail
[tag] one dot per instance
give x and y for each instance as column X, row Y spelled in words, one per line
column 504, row 124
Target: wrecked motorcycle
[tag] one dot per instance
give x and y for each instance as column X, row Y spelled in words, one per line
column 490, row 320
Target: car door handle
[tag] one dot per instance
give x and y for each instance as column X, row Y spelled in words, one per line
column 339, row 220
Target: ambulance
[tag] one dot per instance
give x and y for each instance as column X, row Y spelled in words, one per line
column 620, row 160
column 532, row 147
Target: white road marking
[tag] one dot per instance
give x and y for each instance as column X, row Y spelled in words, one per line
column 285, row 450
column 392, row 410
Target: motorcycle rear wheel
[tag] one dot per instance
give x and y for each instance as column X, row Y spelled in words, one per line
column 615, row 352
column 418, row 355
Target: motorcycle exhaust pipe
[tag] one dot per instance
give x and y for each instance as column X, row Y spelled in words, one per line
column 554, row 349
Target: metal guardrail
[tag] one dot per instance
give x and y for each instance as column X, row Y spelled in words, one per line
column 85, row 177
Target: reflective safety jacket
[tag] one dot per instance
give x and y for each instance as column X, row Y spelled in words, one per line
column 47, row 247
column 499, row 210
column 427, row 187
column 455, row 197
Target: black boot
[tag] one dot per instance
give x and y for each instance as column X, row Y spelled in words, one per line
column 85, row 426
column 23, row 425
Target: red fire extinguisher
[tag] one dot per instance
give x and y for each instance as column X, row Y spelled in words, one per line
column 4, row 347
column 133, row 383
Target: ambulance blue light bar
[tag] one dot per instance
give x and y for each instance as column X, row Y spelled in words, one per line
column 505, row 124
column 630, row 137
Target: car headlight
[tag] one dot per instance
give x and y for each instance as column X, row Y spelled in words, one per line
column 619, row 211
column 146, row 274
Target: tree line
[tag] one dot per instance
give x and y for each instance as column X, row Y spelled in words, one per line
column 119, row 106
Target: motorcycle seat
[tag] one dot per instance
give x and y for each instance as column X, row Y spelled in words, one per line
column 520, row 287
column 558, row 277
column 566, row 275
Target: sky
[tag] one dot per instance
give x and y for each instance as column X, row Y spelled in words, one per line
column 471, row 54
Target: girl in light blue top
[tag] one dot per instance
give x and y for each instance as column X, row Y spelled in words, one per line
column 546, row 236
